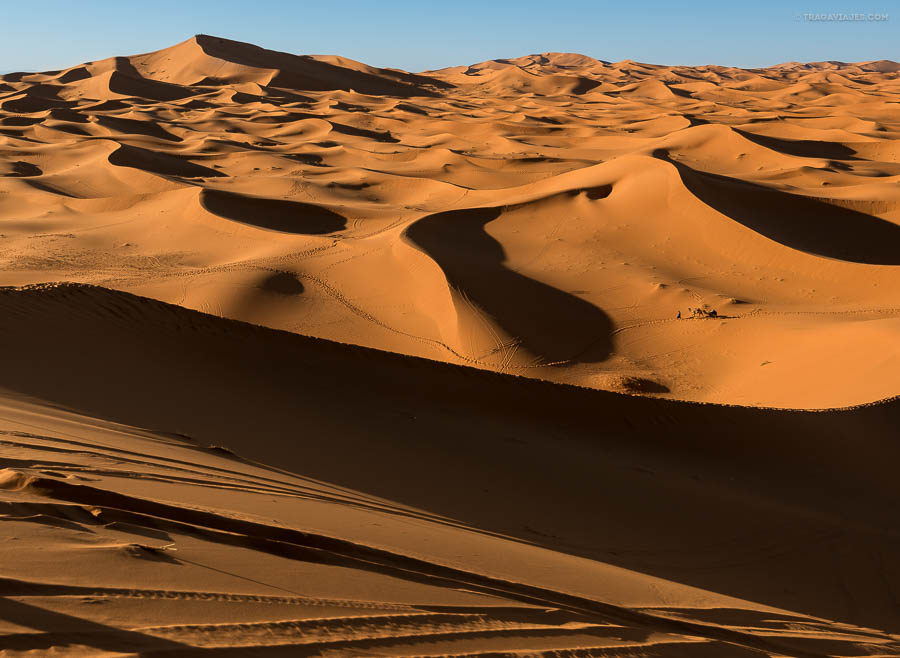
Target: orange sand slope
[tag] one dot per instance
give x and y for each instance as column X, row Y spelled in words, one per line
column 419, row 508
column 546, row 216
column 305, row 357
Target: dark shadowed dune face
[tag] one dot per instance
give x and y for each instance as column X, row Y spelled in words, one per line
column 804, row 148
column 273, row 214
column 155, row 162
column 146, row 90
column 550, row 323
column 136, row 127
column 803, row 223
column 283, row 283
column 21, row 169
column 311, row 74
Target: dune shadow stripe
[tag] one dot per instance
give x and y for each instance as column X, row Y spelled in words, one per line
column 127, row 81
column 311, row 74
column 59, row 630
column 273, row 214
column 283, row 283
column 163, row 164
column 21, row 169
column 795, row 221
column 312, row 547
column 803, row 148
column 550, row 323
column 136, row 127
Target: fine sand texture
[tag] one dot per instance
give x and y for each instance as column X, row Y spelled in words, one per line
column 545, row 356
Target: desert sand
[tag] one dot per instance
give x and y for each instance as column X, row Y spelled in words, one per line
column 306, row 357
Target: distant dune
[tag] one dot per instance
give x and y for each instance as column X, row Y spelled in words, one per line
column 536, row 356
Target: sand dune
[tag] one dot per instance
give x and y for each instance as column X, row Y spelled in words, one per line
column 703, row 537
column 772, row 198
column 306, row 357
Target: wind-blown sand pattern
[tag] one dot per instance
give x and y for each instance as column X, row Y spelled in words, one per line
column 305, row 357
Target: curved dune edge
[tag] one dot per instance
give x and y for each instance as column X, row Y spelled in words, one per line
column 404, row 523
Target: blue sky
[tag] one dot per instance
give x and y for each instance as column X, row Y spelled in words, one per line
column 51, row 34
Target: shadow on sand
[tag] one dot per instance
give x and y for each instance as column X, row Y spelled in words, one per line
column 798, row 222
column 550, row 323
